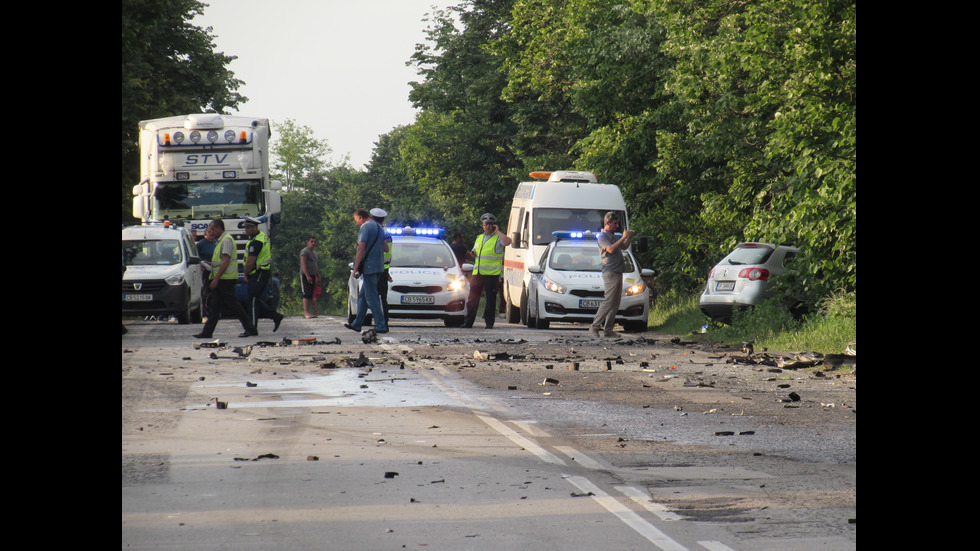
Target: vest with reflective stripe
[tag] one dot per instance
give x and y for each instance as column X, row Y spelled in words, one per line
column 264, row 260
column 232, row 271
column 488, row 262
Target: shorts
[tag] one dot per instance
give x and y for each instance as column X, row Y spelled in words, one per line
column 307, row 287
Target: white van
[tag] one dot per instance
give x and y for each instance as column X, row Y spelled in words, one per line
column 566, row 200
column 162, row 273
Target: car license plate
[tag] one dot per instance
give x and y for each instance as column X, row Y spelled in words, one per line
column 418, row 300
column 589, row 303
column 725, row 286
column 143, row 297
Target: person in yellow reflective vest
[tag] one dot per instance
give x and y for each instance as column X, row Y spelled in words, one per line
column 488, row 265
column 224, row 276
column 258, row 272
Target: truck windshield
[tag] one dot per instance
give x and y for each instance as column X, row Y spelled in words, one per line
column 208, row 199
column 559, row 219
column 162, row 252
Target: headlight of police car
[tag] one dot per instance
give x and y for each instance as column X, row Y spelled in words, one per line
column 456, row 285
column 553, row 287
column 175, row 279
column 634, row 289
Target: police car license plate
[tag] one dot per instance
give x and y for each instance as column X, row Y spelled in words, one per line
column 142, row 297
column 725, row 286
column 589, row 303
column 418, row 300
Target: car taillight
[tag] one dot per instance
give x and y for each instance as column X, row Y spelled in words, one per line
column 711, row 274
column 753, row 274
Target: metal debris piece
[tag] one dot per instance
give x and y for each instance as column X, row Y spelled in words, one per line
column 361, row 361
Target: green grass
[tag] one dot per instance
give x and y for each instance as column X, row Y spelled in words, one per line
column 827, row 331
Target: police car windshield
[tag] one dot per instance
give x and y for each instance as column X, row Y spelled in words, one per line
column 581, row 258
column 215, row 198
column 165, row 252
column 421, row 255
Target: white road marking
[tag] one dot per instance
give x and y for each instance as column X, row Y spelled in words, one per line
column 643, row 499
column 537, row 450
column 633, row 520
column 715, row 546
column 580, row 458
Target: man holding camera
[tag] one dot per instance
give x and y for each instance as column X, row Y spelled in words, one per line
column 613, row 265
column 488, row 266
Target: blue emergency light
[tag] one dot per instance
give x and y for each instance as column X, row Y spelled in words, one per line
column 578, row 234
column 408, row 230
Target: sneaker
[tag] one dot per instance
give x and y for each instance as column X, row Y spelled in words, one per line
column 351, row 327
column 594, row 330
column 611, row 335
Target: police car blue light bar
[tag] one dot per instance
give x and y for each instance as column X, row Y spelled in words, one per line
column 573, row 234
column 578, row 234
column 408, row 230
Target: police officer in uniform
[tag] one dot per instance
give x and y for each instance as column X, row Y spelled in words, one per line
column 224, row 276
column 379, row 215
column 258, row 262
column 488, row 266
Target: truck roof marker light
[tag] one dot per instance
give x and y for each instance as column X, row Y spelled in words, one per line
column 244, row 137
column 540, row 174
column 166, row 139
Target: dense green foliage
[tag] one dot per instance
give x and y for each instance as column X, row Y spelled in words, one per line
column 169, row 67
column 722, row 122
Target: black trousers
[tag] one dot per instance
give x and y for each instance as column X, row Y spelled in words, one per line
column 478, row 285
column 259, row 308
column 223, row 299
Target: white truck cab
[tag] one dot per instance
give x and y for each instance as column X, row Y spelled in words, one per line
column 161, row 272
column 564, row 200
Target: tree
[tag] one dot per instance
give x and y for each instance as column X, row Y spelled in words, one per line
column 297, row 156
column 169, row 67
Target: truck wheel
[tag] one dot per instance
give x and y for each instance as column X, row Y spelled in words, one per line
column 512, row 312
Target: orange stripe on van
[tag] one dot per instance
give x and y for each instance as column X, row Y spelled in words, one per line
column 513, row 264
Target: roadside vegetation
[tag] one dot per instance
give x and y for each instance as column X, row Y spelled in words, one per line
column 722, row 122
column 829, row 330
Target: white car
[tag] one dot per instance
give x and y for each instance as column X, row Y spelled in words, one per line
column 567, row 285
column 163, row 273
column 745, row 278
column 427, row 280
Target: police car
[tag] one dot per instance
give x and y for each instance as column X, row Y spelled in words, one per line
column 427, row 280
column 566, row 285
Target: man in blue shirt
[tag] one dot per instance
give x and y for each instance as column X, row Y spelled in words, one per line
column 369, row 264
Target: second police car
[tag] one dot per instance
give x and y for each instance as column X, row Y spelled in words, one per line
column 567, row 285
column 427, row 280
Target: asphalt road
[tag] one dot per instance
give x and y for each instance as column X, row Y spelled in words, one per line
column 512, row 438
